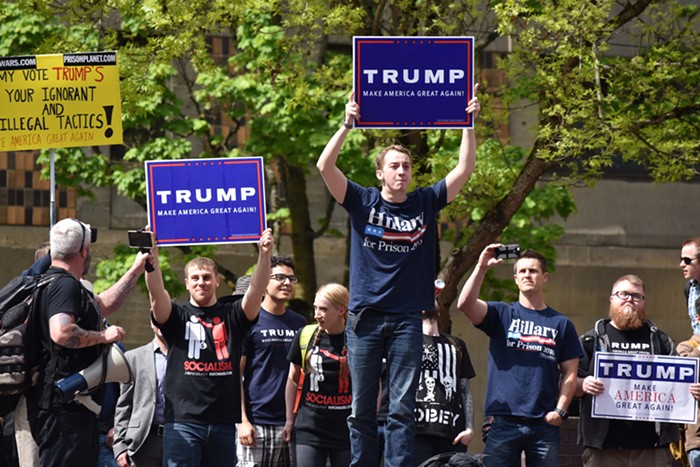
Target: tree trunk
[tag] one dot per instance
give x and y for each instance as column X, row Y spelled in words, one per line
column 302, row 234
column 489, row 229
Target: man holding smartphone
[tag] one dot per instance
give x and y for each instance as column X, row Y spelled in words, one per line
column 530, row 344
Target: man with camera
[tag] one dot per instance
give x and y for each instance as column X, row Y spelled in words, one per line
column 202, row 379
column 530, row 344
column 69, row 328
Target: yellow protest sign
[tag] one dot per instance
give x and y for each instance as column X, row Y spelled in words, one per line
column 59, row 101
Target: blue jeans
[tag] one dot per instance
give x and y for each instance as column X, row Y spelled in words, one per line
column 398, row 337
column 509, row 436
column 106, row 454
column 194, row 445
column 694, row 457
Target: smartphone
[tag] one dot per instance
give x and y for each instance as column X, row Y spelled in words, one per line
column 511, row 251
column 141, row 239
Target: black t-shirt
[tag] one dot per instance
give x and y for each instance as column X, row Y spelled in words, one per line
column 326, row 397
column 66, row 295
column 202, row 381
column 627, row 434
column 439, row 411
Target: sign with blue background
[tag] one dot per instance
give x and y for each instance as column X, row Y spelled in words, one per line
column 206, row 201
column 413, row 82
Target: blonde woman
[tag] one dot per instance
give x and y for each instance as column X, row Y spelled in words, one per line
column 318, row 392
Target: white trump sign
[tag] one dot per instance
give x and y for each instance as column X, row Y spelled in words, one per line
column 645, row 387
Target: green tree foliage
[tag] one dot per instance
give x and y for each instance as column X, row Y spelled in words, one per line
column 611, row 81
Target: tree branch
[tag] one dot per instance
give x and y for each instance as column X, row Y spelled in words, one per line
column 676, row 113
column 330, row 207
column 629, row 12
column 489, row 229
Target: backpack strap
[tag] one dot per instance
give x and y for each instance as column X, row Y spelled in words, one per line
column 306, row 335
column 50, row 366
column 595, row 340
column 47, row 393
column 661, row 343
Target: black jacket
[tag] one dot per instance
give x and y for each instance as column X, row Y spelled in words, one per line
column 593, row 431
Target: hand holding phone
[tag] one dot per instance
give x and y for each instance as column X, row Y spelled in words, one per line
column 144, row 241
column 510, row 251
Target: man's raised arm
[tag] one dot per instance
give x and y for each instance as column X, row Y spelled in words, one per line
column 469, row 302
column 259, row 278
column 467, row 153
column 111, row 299
column 161, row 304
column 335, row 180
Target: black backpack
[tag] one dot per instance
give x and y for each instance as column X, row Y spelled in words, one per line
column 19, row 353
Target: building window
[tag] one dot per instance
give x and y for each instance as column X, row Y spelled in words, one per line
column 25, row 196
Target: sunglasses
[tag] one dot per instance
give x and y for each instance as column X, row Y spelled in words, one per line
column 687, row 260
column 93, row 233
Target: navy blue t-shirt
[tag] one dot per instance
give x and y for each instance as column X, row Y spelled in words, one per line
column 392, row 251
column 266, row 347
column 525, row 350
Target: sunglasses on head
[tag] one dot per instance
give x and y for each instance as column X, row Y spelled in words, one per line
column 93, row 233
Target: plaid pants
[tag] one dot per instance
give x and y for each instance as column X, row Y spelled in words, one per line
column 269, row 451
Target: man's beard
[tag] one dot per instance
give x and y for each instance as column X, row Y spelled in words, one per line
column 627, row 321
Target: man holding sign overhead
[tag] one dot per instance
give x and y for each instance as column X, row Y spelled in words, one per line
column 392, row 267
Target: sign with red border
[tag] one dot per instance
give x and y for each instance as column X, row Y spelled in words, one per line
column 206, row 201
column 413, row 82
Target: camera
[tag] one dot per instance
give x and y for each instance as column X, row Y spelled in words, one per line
column 144, row 240
column 511, row 251
column 141, row 239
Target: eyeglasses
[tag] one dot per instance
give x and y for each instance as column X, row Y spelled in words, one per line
column 624, row 296
column 283, row 277
column 687, row 260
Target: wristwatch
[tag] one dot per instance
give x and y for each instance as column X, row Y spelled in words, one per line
column 562, row 413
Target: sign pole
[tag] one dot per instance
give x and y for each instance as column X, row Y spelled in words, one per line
column 52, row 208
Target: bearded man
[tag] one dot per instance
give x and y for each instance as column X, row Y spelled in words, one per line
column 611, row 442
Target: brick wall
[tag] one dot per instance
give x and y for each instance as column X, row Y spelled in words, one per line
column 24, row 196
column 569, row 451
